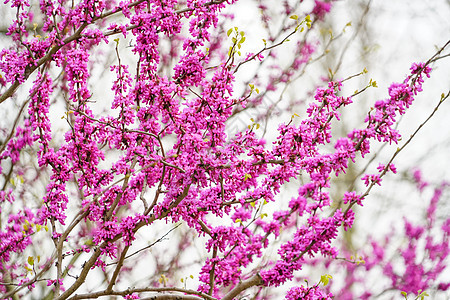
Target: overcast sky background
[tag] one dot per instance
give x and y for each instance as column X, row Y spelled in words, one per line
column 397, row 33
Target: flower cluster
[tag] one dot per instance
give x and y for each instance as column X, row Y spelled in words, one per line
column 156, row 149
column 413, row 272
column 307, row 293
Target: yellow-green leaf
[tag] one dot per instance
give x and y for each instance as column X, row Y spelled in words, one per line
column 325, row 279
column 163, row 279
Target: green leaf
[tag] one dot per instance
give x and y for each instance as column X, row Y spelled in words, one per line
column 308, row 21
column 229, row 31
column 30, row 260
column 163, row 279
column 294, row 17
column 325, row 279
column 422, row 295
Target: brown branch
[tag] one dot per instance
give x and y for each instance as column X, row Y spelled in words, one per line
column 31, row 68
column 198, row 295
column 149, row 246
column 97, row 252
column 386, row 168
column 255, row 280
column 45, row 268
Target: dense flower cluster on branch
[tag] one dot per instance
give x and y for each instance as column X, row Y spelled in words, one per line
column 162, row 152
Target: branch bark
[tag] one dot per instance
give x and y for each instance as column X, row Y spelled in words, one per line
column 255, row 280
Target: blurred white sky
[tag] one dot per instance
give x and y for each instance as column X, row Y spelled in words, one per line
column 398, row 32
